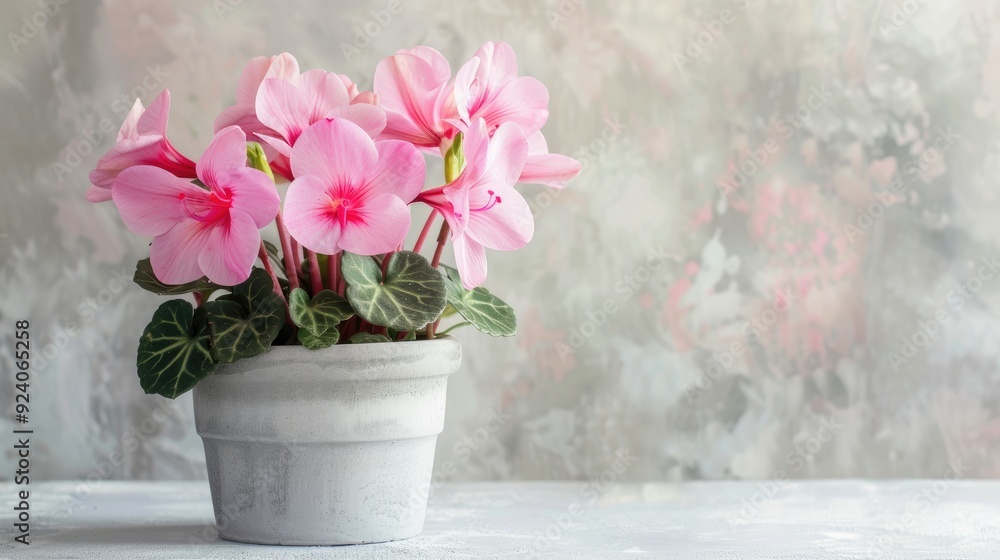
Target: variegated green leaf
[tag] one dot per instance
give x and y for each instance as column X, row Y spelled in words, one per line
column 321, row 314
column 411, row 295
column 366, row 338
column 479, row 307
column 318, row 342
column 245, row 323
column 174, row 350
column 146, row 280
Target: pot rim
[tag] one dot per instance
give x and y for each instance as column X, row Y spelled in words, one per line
column 379, row 366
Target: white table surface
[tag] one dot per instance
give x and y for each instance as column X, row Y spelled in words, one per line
column 918, row 519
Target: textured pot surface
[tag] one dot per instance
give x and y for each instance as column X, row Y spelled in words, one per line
column 334, row 446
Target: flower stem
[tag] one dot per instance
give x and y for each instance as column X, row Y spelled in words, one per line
column 291, row 264
column 333, row 271
column 266, row 259
column 426, row 229
column 442, row 239
column 315, row 276
column 385, row 264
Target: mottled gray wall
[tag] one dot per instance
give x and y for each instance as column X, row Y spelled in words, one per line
column 748, row 309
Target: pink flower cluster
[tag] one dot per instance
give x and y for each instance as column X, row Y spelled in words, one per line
column 355, row 161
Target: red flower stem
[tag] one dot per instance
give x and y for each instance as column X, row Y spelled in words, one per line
column 315, row 276
column 426, row 229
column 198, row 298
column 442, row 239
column 291, row 266
column 264, row 258
column 333, row 271
column 385, row 264
column 341, row 281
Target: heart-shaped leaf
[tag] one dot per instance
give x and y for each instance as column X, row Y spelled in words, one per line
column 411, row 295
column 479, row 307
column 174, row 350
column 324, row 312
column 366, row 338
column 146, row 280
column 318, row 342
column 245, row 323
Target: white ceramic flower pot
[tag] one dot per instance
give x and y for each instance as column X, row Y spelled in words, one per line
column 328, row 447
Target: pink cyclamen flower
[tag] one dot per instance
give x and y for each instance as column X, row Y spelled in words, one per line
column 323, row 97
column 290, row 107
column 142, row 140
column 488, row 87
column 350, row 192
column 197, row 231
column 413, row 87
column 481, row 206
column 244, row 113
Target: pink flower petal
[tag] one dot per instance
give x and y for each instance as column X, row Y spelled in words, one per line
column 127, row 129
column 151, row 200
column 323, row 91
column 143, row 150
column 253, row 194
column 227, row 259
column 282, row 108
column 508, row 150
column 470, row 259
column 174, row 255
column 506, row 226
column 227, row 151
column 310, row 216
column 243, row 116
column 337, row 151
column 409, row 86
column 400, row 170
column 378, row 226
column 370, row 118
column 283, row 66
column 523, row 101
column 553, row 170
column 154, row 119
column 98, row 194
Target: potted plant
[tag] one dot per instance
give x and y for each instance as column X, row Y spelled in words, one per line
column 318, row 365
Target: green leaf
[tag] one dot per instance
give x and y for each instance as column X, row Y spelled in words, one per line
column 478, row 306
column 146, row 280
column 393, row 334
column 411, row 295
column 365, row 338
column 324, row 312
column 244, row 324
column 174, row 350
column 318, row 342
